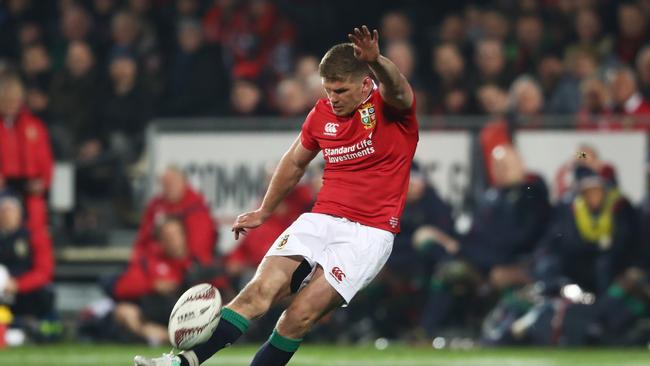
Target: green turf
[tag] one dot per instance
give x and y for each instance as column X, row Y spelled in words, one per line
column 310, row 355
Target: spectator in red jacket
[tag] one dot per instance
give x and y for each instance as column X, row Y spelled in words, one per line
column 149, row 288
column 178, row 200
column 25, row 154
column 27, row 256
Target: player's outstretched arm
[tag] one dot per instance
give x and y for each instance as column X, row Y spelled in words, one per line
column 291, row 168
column 394, row 88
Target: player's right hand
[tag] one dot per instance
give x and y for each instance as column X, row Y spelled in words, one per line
column 249, row 220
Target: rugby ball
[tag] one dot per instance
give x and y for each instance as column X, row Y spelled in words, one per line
column 195, row 316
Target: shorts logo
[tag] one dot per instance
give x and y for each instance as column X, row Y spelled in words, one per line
column 283, row 241
column 331, row 128
column 367, row 113
column 338, row 274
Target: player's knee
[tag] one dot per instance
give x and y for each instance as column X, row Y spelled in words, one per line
column 297, row 320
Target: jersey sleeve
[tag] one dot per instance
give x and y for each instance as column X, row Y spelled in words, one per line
column 307, row 137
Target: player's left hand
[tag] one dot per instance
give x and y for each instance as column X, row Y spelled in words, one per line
column 249, row 220
column 366, row 44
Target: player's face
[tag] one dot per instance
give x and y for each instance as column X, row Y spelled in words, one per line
column 346, row 96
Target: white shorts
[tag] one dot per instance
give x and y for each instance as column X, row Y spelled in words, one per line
column 350, row 253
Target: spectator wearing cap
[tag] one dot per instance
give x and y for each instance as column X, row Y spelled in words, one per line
column 591, row 236
column 198, row 83
column 25, row 155
column 27, row 256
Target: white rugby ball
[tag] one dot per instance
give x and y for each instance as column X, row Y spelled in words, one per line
column 195, row 316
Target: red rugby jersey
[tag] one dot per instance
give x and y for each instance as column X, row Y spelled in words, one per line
column 368, row 159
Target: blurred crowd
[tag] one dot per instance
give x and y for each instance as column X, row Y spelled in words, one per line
column 80, row 81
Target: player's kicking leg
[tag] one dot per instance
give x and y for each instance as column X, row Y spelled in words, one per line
column 312, row 302
column 271, row 282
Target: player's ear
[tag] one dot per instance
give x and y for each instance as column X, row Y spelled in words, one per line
column 367, row 85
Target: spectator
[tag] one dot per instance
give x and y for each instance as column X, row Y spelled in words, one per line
column 508, row 222
column 632, row 32
column 495, row 25
column 526, row 98
column 291, row 98
column 74, row 123
column 307, row 74
column 27, row 256
column 25, row 155
column 424, row 210
column 75, row 26
column 259, row 42
column 37, row 73
column 587, row 156
column 450, row 89
column 126, row 109
column 530, row 43
column 595, row 110
column 403, row 55
column 217, row 19
column 102, row 13
column 198, row 83
column 16, row 13
column 29, row 34
column 131, row 36
column 626, row 98
column 550, row 72
column 178, row 200
column 147, row 291
column 402, row 285
column 452, row 31
column 128, row 36
column 589, row 35
column 306, row 67
column 591, row 237
column 490, row 64
column 395, row 27
column 246, row 99
column 524, row 111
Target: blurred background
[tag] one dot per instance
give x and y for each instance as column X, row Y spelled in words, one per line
column 133, row 132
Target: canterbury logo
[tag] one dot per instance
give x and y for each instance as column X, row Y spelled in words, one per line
column 331, row 128
column 338, row 274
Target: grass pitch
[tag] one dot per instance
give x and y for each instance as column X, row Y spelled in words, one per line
column 330, row 355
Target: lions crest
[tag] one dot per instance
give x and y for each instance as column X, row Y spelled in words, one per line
column 367, row 114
